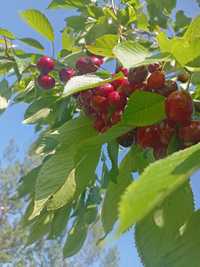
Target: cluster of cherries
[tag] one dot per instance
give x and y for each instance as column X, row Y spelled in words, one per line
column 105, row 104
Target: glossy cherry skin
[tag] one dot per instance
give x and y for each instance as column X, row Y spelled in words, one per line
column 66, row 74
column 137, row 75
column 88, row 64
column 104, row 90
column 148, row 137
column 45, row 64
column 166, row 132
column 100, row 103
column 190, row 134
column 46, row 82
column 156, row 80
column 116, row 117
column 179, row 107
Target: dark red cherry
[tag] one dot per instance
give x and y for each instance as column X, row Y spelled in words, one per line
column 46, row 82
column 66, row 74
column 137, row 75
column 179, row 107
column 156, row 80
column 154, row 67
column 45, row 64
column 191, row 133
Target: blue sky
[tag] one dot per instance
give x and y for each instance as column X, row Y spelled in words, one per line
column 10, row 122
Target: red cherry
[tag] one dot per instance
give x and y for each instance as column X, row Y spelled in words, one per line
column 97, row 61
column 169, row 87
column 166, row 132
column 127, row 139
column 148, row 136
column 88, row 64
column 154, row 67
column 99, row 125
column 160, row 151
column 191, row 133
column 114, row 98
column 156, row 80
column 179, row 107
column 123, row 70
column 46, row 81
column 45, row 64
column 120, row 82
column 66, row 74
column 104, row 90
column 99, row 102
column 137, row 75
column 116, row 117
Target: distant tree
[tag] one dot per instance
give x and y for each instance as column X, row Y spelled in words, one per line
column 13, row 235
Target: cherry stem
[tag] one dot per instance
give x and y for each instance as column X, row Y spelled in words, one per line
column 189, row 81
column 114, row 7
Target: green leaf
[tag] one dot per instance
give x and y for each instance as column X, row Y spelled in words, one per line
column 68, row 41
column 192, row 32
column 157, row 182
column 86, row 173
column 38, row 116
column 109, row 213
column 159, row 11
column 40, row 228
column 104, row 45
column 5, row 94
column 32, row 42
column 144, row 108
column 59, row 222
column 75, row 239
column 155, row 234
column 7, row 34
column 185, row 250
column 84, row 82
column 65, row 194
column 113, row 152
column 39, row 22
column 57, row 168
column 68, row 4
column 131, row 53
column 182, row 21
column 27, row 182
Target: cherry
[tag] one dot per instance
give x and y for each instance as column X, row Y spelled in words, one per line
column 183, row 77
column 120, row 82
column 154, row 67
column 137, row 75
column 46, row 81
column 169, row 87
column 160, row 151
column 88, row 64
column 66, row 74
column 179, row 107
column 116, row 117
column 99, row 125
column 114, row 98
column 166, row 132
column 96, row 60
column 148, row 136
column 156, row 80
column 104, row 90
column 127, row 139
column 191, row 133
column 99, row 102
column 45, row 64
column 123, row 70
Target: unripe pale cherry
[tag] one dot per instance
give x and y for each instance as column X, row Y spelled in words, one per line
column 45, row 64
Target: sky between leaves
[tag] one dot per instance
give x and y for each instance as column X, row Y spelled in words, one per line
column 10, row 122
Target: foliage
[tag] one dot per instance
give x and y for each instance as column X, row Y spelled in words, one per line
column 84, row 175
